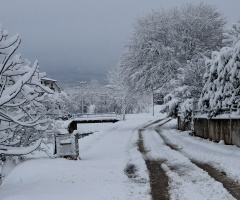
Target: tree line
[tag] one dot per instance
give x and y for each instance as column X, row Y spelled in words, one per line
column 185, row 53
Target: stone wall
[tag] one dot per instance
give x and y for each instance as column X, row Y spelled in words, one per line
column 218, row 129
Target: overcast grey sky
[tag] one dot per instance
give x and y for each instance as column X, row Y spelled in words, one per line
column 79, row 40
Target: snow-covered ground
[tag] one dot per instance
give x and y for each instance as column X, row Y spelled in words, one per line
column 221, row 156
column 99, row 175
column 186, row 180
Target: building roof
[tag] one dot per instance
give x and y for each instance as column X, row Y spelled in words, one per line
column 48, row 79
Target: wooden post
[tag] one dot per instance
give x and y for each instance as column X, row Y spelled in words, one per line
column 192, row 117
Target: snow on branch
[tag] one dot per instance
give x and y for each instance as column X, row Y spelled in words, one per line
column 15, row 151
column 22, row 112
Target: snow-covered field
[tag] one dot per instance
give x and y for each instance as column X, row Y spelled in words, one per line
column 100, row 175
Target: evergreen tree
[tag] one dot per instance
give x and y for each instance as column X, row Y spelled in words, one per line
column 222, row 79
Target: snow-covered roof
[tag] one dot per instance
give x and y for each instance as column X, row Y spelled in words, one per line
column 48, row 79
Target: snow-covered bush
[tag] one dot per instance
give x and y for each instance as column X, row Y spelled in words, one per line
column 177, row 102
column 186, row 109
column 171, row 103
column 171, row 108
column 222, row 79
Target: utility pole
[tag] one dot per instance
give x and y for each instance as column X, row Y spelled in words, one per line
column 153, row 100
column 124, row 110
column 153, row 103
column 81, row 86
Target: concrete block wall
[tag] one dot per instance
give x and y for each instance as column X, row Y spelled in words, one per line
column 218, row 129
column 184, row 126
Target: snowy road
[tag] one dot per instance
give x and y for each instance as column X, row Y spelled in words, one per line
column 112, row 167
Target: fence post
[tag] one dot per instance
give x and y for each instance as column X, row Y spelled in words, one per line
column 192, row 122
column 193, row 109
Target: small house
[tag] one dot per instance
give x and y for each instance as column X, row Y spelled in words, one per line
column 51, row 83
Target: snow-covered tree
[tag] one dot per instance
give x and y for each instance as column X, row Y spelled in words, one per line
column 126, row 100
column 165, row 41
column 232, row 34
column 94, row 97
column 149, row 60
column 168, row 50
column 198, row 28
column 191, row 75
column 222, row 78
column 189, row 81
column 21, row 93
column 58, row 104
column 120, row 88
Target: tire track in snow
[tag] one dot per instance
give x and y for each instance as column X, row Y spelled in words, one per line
column 185, row 179
column 158, row 177
column 232, row 187
column 229, row 184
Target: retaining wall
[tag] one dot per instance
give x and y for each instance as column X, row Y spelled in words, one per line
column 218, row 129
column 183, row 126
